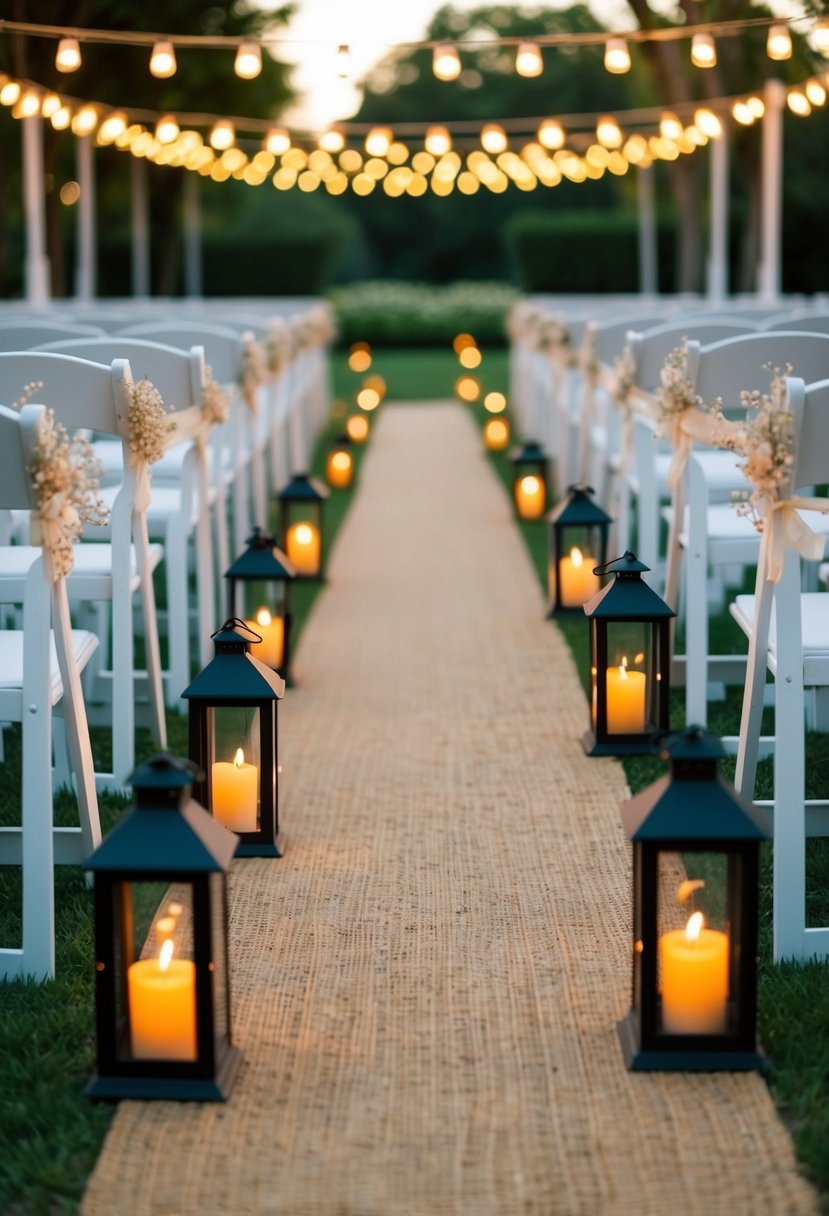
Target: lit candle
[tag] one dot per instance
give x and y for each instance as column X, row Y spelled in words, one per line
column 577, row 582
column 271, row 629
column 496, row 434
column 694, row 979
column 162, row 1007
column 302, row 545
column 529, row 497
column 625, row 701
column 235, row 788
column 338, row 469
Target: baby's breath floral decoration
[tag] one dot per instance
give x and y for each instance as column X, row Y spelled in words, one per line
column 677, row 402
column 253, row 370
column 28, row 392
column 149, row 432
column 765, row 440
column 624, row 377
column 278, row 348
column 214, row 400
column 65, row 477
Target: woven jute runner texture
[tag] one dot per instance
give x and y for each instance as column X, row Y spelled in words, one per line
column 426, row 987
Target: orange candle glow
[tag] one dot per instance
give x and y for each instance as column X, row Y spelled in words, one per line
column 529, row 497
column 496, row 434
column 162, row 1006
column 235, row 789
column 339, row 468
column 625, row 701
column 357, row 427
column 271, row 629
column 302, row 545
column 694, row 965
column 577, row 582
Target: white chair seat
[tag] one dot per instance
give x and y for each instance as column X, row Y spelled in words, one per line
column 725, row 524
column 814, row 623
column 165, row 502
column 168, row 468
column 91, row 577
column 84, row 645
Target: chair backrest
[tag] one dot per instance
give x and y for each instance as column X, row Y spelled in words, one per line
column 23, row 335
column 810, row 405
column 610, row 335
column 222, row 345
column 15, row 486
column 178, row 375
column 802, row 321
column 651, row 347
column 727, row 368
column 83, row 394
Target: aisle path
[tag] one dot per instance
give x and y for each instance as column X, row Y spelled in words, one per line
column 427, row 985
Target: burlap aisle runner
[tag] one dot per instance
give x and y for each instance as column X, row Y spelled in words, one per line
column 427, row 985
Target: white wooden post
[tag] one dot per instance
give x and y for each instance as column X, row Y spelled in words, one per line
column 648, row 253
column 140, row 228
column 85, row 264
column 34, row 206
column 192, row 236
column 768, row 276
column 718, row 239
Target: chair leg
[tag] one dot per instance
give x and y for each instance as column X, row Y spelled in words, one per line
column 151, row 646
column 178, row 613
column 753, row 691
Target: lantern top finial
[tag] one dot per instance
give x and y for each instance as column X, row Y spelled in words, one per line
column 530, row 452
column 628, row 563
column 693, row 744
column 234, row 635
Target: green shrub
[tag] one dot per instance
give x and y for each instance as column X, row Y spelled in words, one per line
column 415, row 314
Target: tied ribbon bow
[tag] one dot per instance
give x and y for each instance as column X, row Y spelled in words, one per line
column 142, row 495
column 55, row 527
column 786, row 529
column 686, row 427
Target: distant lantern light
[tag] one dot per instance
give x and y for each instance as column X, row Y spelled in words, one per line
column 332, row 140
column 493, row 138
column 368, row 399
column 357, row 428
column 342, row 61
column 495, row 403
column 470, row 357
column 50, row 104
column 438, row 141
column 820, row 36
column 163, row 60
column 703, row 51
column 608, row 133
column 551, row 134
column 166, row 129
column 496, row 434
column 113, row 125
column 68, row 55
column 223, row 135
column 446, row 62
column 359, row 357
column 461, row 341
column 798, row 103
column 248, row 62
column 277, row 141
column 468, row 388
column 616, row 56
column 85, row 121
column 528, row 60
column 779, row 42
column 378, row 141
column 708, row 122
column 529, row 465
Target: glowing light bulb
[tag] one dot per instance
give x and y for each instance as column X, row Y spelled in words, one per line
column 223, row 135
column 163, row 60
column 798, row 103
column 332, row 140
column 51, row 103
column 68, row 55
column 446, row 62
column 528, row 61
column 669, row 126
column 708, row 122
column 277, row 141
column 248, row 61
column 343, row 65
column 378, row 141
column 820, row 36
column 437, row 141
column 608, row 133
column 61, row 118
column 757, row 106
column 703, row 51
column 779, row 42
column 112, row 126
column 28, row 104
column 9, row 93
column 742, row 114
column 815, row 92
column 85, row 121
column 551, row 134
column 166, row 129
column 616, row 56
column 493, row 138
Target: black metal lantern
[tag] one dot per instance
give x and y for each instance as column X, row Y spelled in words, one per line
column 530, row 480
column 233, row 741
column 339, row 464
column 261, row 577
column 300, row 512
column 162, row 982
column 696, row 846
column 629, row 662
column 577, row 543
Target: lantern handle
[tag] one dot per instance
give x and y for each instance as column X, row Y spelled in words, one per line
column 628, row 563
column 578, row 488
column 238, row 626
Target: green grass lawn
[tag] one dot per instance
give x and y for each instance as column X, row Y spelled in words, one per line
column 52, row 1134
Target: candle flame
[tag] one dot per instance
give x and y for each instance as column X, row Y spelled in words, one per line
column 577, row 558
column 694, row 927
column 239, row 758
column 623, row 672
column 624, row 660
column 263, row 617
column 303, row 534
column 530, row 485
column 165, row 956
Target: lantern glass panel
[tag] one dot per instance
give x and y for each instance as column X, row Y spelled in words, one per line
column 259, row 593
column 632, row 678
column 155, row 989
column 303, row 535
column 578, row 549
column 696, row 975
column 234, row 765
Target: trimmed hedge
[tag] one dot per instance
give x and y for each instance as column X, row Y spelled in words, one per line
column 415, row 314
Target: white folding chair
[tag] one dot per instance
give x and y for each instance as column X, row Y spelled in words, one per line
column 788, row 632
column 39, row 668
column 23, row 335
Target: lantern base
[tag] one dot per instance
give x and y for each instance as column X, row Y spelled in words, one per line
column 261, row 848
column 176, row 1089
column 610, row 747
column 638, row 1060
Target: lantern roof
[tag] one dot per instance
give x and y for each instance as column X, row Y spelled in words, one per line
column 627, row 597
column 233, row 676
column 165, row 830
column 579, row 508
column 531, row 452
column 262, row 559
column 304, row 488
column 692, row 802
